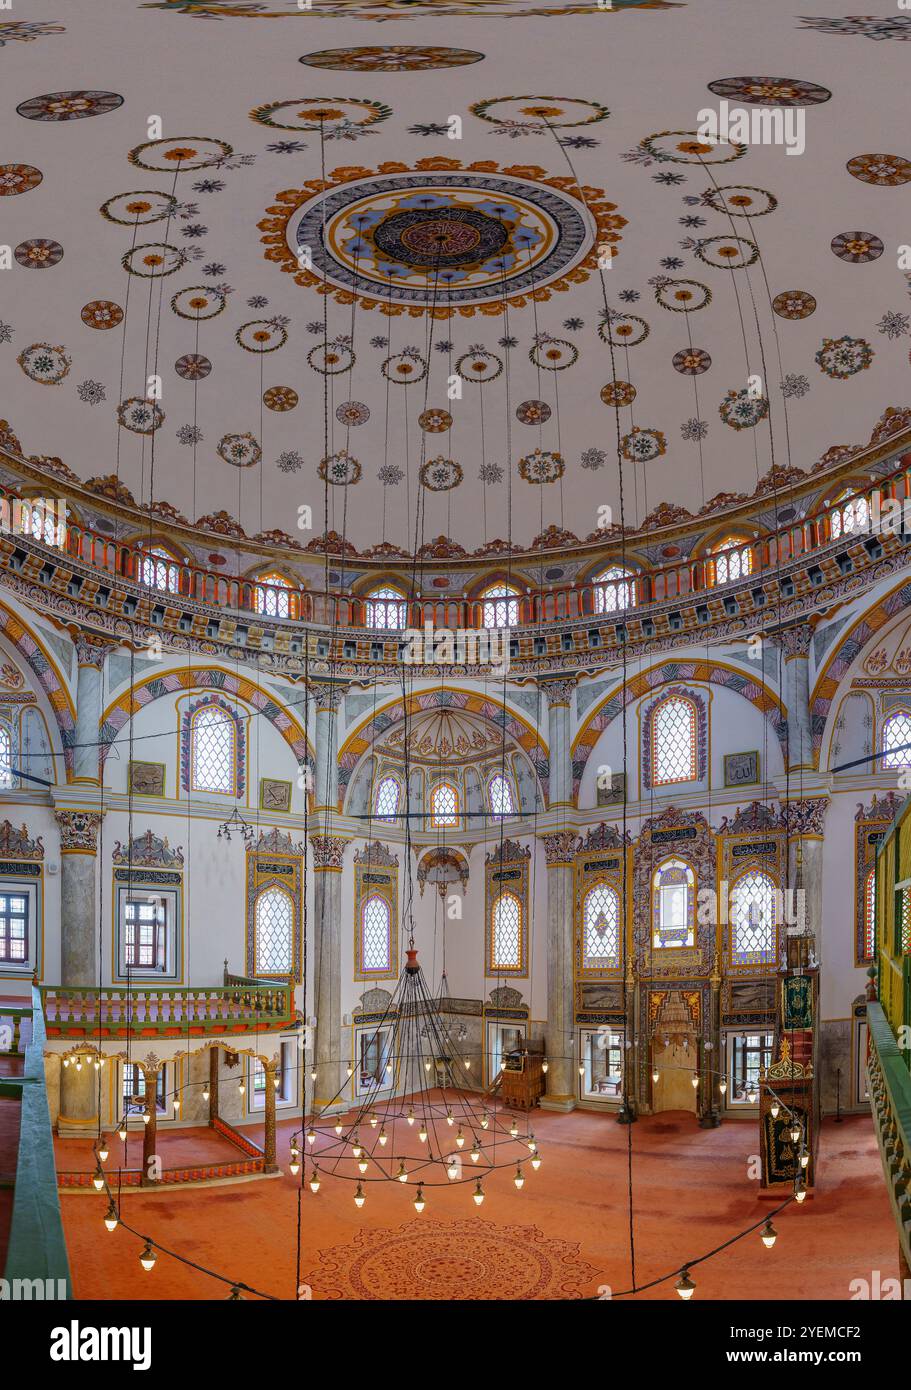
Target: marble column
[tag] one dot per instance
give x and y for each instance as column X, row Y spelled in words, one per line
column 271, row 1070
column 78, row 921
column 214, row 1062
column 78, row 1114
column 795, row 645
column 328, row 852
column 150, row 1069
column 559, row 695
column 328, row 696
column 90, row 655
column 804, row 819
column 559, row 850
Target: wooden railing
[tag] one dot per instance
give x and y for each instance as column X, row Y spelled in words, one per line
column 890, row 1098
column 146, row 1010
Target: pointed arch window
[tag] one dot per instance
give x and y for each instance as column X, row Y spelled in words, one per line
column 212, row 749
column 499, row 796
column 673, row 904
column 506, row 933
column 272, row 596
column 896, row 734
column 601, row 927
column 386, row 800
column 753, row 925
column 615, row 590
column 849, row 515
column 386, row 608
column 444, row 806
column 500, row 606
column 376, row 935
column 674, row 727
column 273, row 925
column 731, row 560
column 7, row 755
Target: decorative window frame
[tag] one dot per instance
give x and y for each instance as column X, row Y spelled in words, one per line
column 649, row 710
column 387, row 776
column 148, row 883
column 655, row 905
column 376, row 875
column 901, row 706
column 754, row 967
column 871, row 826
column 761, row 846
column 186, row 744
column 507, row 775
column 589, row 869
column 11, row 725
column 454, row 785
column 275, row 863
column 506, row 871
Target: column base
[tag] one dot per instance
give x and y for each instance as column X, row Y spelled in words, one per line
column 68, row 1128
column 626, row 1115
column 562, row 1103
column 710, row 1120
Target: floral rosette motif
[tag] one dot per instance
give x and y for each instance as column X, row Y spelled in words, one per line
column 553, row 354
column 771, row 91
column 841, row 358
column 392, row 58
column 691, row 361
column 340, row 469
column 728, row 252
column 69, row 106
column 689, row 147
column 352, row 413
column 39, row 253
column 137, row 209
column 883, row 170
column 405, row 367
column 542, row 466
column 441, row 474
column 139, row 415
column 682, row 296
column 327, row 114
column 858, row 248
column 618, row 393
column 643, row 445
column 18, row 178
column 434, row 420
column 101, row 314
column 261, row 335
column 193, row 366
column 533, row 413
column 153, row 260
column 240, row 450
column 199, row 302
column 180, row 153
column 280, row 398
column 794, row 304
column 741, row 409
column 740, row 200
column 45, row 364
column 479, row 366
column 332, row 358
column 622, row 330
column 535, row 114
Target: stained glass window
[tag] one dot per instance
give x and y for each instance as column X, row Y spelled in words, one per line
column 615, row 590
column 601, row 927
column 444, row 806
column 673, row 738
column 732, row 560
column 274, row 929
column 870, row 913
column 375, row 934
column 753, row 919
column 506, row 940
column 499, row 795
column 673, row 904
column 273, row 596
column 897, row 733
column 386, row 800
column 386, row 609
column 501, row 606
column 213, row 751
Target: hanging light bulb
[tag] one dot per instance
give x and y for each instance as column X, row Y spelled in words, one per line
column 800, row 1192
column 66, row 1061
column 314, row 1181
column 111, row 1220
column 419, row 1203
column 531, row 1143
column 475, row 1151
column 449, row 1118
column 103, row 1149
column 769, row 1234
column 485, row 1119
column 242, row 1088
column 363, row 1165
column 804, row 1158
column 176, row 1104
column 401, row 1174
column 427, row 1066
column 514, row 1129
column 752, row 1095
column 97, row 1064
column 122, row 1132
column 294, row 1166
column 349, row 1070
column 356, row 1149
column 410, row 1117
column 452, row 1172
column 359, row 1198
column 695, row 1080
column 536, row 1160
column 147, row 1258
column 146, row 1116
column 581, row 1068
column 774, row 1109
column 519, row 1179
column 383, row 1136
column 313, row 1073
column 205, row 1092
column 374, row 1120
column 467, row 1063
column 795, row 1131
column 723, row 1087
column 655, row 1075
column 460, row 1138
column 478, row 1194
column 545, row 1066
column 685, row 1286
column 422, row 1133
column 338, row 1125
column 98, row 1179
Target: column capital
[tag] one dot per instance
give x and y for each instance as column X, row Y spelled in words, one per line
column 78, row 831
column 151, row 1064
column 92, row 648
column 560, row 848
column 794, row 641
column 805, row 816
column 328, row 851
column 328, row 694
column 559, row 691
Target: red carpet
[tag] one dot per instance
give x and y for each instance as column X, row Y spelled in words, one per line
column 691, row 1191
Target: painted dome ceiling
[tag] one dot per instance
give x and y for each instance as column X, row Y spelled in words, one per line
column 448, row 268
column 442, row 737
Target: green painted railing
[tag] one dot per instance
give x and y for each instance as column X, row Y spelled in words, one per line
column 37, row 1265
column 149, row 1009
column 890, row 1100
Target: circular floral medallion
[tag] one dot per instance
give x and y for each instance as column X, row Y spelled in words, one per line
column 840, row 358
column 554, row 354
column 193, row 366
column 45, row 364
column 794, row 304
column 340, row 469
column 689, row 147
column 180, row 154
column 280, row 398
column 618, row 393
column 101, row 313
column 884, row 170
column 330, row 359
column 321, row 113
column 741, row 409
column 857, row 247
column 261, row 335
column 623, row 330
column 391, row 58
column 135, row 209
column 728, row 252
column 199, row 302
column 153, row 260
column 479, row 366
column 352, row 413
column 240, row 450
column 38, row 253
column 542, row 466
column 538, row 113
column 139, row 415
column 771, row 91
column 69, row 106
column 533, row 413
column 691, row 361
column 740, row 200
column 440, row 474
column 18, row 178
column 683, row 296
column 405, row 367
column 440, row 238
column 643, row 445
column 434, row 421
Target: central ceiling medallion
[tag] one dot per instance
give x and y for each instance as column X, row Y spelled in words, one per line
column 438, row 237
